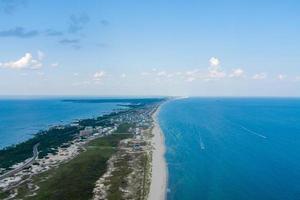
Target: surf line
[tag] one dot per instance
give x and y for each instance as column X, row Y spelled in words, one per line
column 253, row 132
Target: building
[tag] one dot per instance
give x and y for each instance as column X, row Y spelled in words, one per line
column 87, row 131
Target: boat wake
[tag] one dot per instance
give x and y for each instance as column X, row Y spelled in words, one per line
column 248, row 130
column 202, row 146
column 252, row 132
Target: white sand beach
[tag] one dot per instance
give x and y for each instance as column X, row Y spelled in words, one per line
column 159, row 166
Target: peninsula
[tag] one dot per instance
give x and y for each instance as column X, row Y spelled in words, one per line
column 114, row 156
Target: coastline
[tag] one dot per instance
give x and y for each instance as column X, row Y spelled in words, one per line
column 158, row 187
column 133, row 156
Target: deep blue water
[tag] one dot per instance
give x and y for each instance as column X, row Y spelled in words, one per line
column 235, row 149
column 20, row 119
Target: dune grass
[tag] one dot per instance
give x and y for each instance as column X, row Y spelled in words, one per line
column 76, row 179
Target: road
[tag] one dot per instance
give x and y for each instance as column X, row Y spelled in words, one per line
column 28, row 163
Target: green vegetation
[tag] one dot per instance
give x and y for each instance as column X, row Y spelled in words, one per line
column 48, row 141
column 95, row 122
column 123, row 128
column 76, row 179
column 51, row 139
column 130, row 176
column 145, row 163
column 3, row 195
column 117, row 179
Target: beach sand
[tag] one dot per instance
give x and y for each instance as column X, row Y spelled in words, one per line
column 159, row 166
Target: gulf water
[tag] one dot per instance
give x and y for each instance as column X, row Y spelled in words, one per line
column 232, row 149
column 21, row 118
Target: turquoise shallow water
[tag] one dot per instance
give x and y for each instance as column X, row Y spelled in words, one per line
column 230, row 148
column 20, row 119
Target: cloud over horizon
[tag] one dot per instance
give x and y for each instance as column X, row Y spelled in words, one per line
column 259, row 76
column 214, row 61
column 25, row 62
column 99, row 75
column 237, row 73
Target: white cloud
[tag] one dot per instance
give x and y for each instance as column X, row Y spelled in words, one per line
column 75, row 74
column 54, row 64
column 259, row 76
column 281, row 76
column 190, row 79
column 191, row 75
column 36, row 64
column 237, row 73
column 82, row 83
column 164, row 75
column 215, row 72
column 40, row 55
column 99, row 75
column 41, row 73
column 25, row 62
column 214, row 61
column 123, row 75
column 161, row 73
column 145, row 73
column 170, row 75
column 192, row 72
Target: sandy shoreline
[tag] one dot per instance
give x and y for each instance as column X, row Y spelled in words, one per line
column 159, row 165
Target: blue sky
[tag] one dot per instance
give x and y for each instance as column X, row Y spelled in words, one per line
column 134, row 47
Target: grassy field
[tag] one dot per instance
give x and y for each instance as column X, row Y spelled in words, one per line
column 117, row 179
column 130, row 177
column 76, row 179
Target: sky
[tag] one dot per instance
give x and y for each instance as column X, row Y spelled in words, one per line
column 157, row 47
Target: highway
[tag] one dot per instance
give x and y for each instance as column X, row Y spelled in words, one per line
column 28, row 163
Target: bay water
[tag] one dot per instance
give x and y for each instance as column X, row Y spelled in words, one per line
column 20, row 119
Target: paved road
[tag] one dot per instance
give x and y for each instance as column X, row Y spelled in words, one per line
column 28, row 163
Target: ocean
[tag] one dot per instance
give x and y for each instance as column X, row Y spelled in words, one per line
column 232, row 148
column 21, row 118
